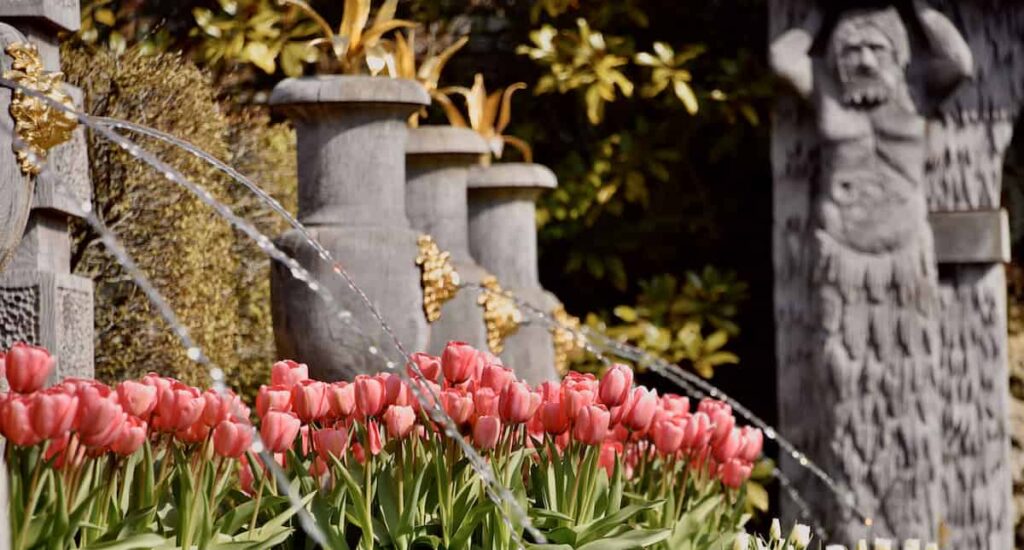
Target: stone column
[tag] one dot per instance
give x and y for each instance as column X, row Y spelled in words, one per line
column 351, row 155
column 437, row 161
column 503, row 238
column 40, row 301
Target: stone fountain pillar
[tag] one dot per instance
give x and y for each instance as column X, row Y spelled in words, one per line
column 437, row 161
column 40, row 301
column 351, row 154
column 503, row 238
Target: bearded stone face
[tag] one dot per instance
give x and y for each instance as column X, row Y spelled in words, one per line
column 866, row 62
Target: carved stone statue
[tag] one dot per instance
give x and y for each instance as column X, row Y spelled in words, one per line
column 871, row 357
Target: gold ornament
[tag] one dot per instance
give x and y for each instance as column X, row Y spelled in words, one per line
column 36, row 122
column 440, row 280
column 501, row 316
column 569, row 342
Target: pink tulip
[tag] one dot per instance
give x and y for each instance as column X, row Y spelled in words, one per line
column 610, row 451
column 643, row 405
column 734, row 473
column 399, row 420
column 196, row 433
column 486, row 432
column 136, row 398
column 100, row 417
column 677, row 405
column 723, row 422
column 397, row 392
column 591, row 425
column 287, row 373
column 179, row 407
column 576, row 398
column 131, row 438
column 497, row 377
column 373, row 435
column 57, row 451
column 231, row 439
column 615, row 385
column 309, row 400
column 273, row 398
column 427, row 390
column 485, row 402
column 216, row 408
column 515, row 403
column 458, row 405
column 330, row 442
column 429, row 365
column 158, row 382
column 553, row 416
column 52, row 412
column 278, row 430
column 753, row 442
column 16, row 422
column 728, row 447
column 459, row 362
column 550, row 391
column 341, row 399
column 370, row 394
column 27, row 367
column 668, row 435
column 698, row 432
column 245, row 476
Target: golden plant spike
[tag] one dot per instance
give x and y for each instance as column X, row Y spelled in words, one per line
column 353, row 20
column 37, row 123
column 455, row 118
column 430, row 72
column 308, row 10
column 501, row 316
column 506, row 107
column 568, row 342
column 439, row 279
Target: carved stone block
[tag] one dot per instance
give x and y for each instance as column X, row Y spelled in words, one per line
column 981, row 236
column 51, row 310
column 65, row 15
column 67, row 185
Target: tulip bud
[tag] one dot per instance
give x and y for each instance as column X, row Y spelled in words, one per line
column 728, row 447
column 734, row 473
column 131, row 438
column 273, row 398
column 485, row 402
column 309, row 400
column 136, row 398
column 27, row 367
column 515, row 403
column 278, row 430
column 668, row 435
column 179, row 407
column 288, row 373
column 591, row 425
column 16, row 423
column 399, row 421
column 330, row 442
column 370, row 395
column 775, row 531
column 100, row 417
column 52, row 413
column 616, row 385
column 373, row 434
column 396, row 392
column 429, row 365
column 496, row 377
column 800, row 536
column 753, row 442
column 675, row 404
column 553, row 417
column 459, row 362
column 610, row 451
column 486, row 432
column 231, row 439
column 458, row 405
column 643, row 405
column 341, row 399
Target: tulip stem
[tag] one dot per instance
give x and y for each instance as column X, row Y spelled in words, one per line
column 259, row 497
column 33, row 498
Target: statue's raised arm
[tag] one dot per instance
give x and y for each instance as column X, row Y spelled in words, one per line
column 790, row 54
column 950, row 61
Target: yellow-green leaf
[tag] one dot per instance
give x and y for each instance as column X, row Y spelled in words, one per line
column 105, row 16
column 685, row 94
column 259, row 54
column 626, row 313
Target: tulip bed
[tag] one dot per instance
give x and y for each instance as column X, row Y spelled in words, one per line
column 154, row 463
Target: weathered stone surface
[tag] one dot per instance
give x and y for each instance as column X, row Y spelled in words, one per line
column 351, row 144
column 67, row 184
column 978, row 236
column 54, row 310
column 62, row 15
column 15, row 189
column 503, row 238
column 437, row 159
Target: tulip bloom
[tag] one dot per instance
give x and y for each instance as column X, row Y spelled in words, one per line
column 231, row 439
column 278, row 430
column 497, row 377
column 615, row 385
column 643, row 405
column 668, row 435
column 728, row 447
column 27, row 367
column 179, row 407
column 100, row 417
column 458, row 405
column 399, row 421
column 459, row 362
column 486, row 432
column 137, row 399
column 131, row 438
column 734, row 473
column 515, row 404
column 553, row 417
column 52, row 413
column 429, row 365
column 485, row 402
column 273, row 398
column 370, row 395
column 591, row 425
column 16, row 423
column 309, row 400
column 330, row 442
column 753, row 442
column 396, row 391
column 610, row 451
column 676, row 405
column 341, row 399
column 288, row 373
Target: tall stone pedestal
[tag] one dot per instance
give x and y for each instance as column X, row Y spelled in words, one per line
column 351, row 145
column 437, row 161
column 503, row 238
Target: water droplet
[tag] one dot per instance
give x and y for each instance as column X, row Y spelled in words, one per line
column 390, row 365
column 169, row 175
column 314, row 287
column 257, row 446
column 216, row 374
column 868, row 521
column 373, row 350
column 193, row 353
column 86, row 206
column 769, row 433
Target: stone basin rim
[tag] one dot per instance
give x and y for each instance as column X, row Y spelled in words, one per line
column 512, row 175
column 444, row 140
column 348, row 90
